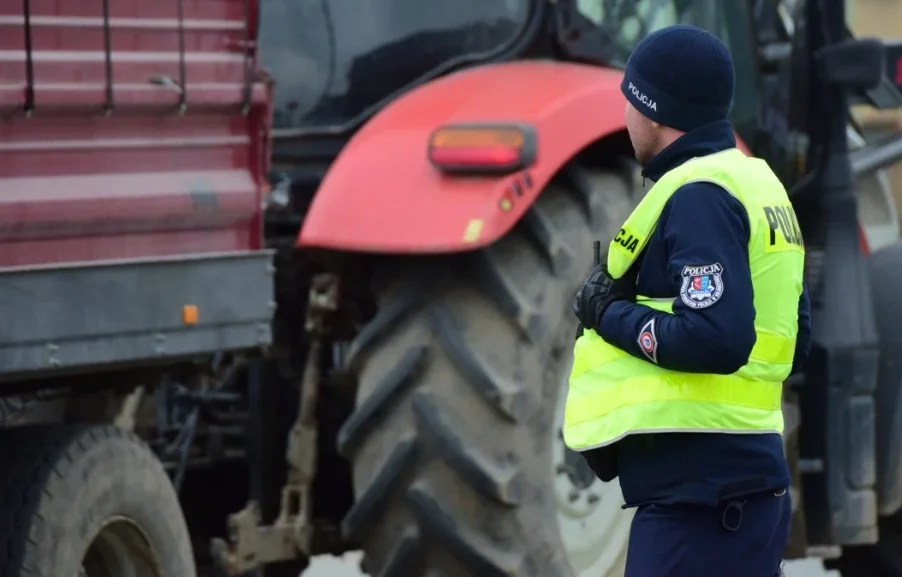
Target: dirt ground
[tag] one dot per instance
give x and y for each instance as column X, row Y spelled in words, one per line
column 327, row 566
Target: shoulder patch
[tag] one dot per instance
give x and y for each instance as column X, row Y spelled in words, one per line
column 702, row 285
column 648, row 341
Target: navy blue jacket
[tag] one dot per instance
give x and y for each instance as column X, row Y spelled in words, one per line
column 701, row 224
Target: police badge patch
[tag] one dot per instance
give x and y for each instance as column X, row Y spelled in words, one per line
column 702, row 285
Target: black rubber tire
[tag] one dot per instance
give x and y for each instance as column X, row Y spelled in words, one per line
column 459, row 375
column 881, row 560
column 59, row 485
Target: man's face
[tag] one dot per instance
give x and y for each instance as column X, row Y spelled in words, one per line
column 643, row 135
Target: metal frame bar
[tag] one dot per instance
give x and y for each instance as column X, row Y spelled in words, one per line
column 183, row 82
column 29, row 59
column 248, row 60
column 110, row 103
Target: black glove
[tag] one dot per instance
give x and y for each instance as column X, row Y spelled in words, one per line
column 597, row 294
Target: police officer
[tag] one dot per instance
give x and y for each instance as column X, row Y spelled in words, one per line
column 692, row 324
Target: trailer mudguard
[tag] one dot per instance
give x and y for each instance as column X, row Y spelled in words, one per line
column 382, row 195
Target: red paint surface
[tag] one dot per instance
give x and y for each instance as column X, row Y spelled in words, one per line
column 144, row 181
column 382, row 195
column 863, row 244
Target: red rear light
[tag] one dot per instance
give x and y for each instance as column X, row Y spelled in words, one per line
column 482, row 148
column 474, row 156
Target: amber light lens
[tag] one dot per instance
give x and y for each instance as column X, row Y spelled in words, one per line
column 479, row 149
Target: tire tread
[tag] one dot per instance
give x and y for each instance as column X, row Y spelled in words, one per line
column 36, row 459
column 405, row 408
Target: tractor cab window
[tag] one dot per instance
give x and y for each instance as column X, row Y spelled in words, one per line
column 626, row 22
column 335, row 59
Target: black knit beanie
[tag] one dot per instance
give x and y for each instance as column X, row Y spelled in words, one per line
column 680, row 76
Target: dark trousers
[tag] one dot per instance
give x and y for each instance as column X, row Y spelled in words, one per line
column 742, row 538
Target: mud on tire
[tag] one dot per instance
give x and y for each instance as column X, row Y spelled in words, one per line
column 460, row 372
column 78, row 500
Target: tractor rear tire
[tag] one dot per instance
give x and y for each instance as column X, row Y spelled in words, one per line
column 455, row 439
column 89, row 501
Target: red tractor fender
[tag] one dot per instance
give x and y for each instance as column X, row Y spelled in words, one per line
column 382, row 194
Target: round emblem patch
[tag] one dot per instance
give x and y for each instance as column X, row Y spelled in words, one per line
column 702, row 285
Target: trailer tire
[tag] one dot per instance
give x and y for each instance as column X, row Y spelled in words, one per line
column 89, row 501
column 460, row 381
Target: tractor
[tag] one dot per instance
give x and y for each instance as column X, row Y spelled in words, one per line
column 477, row 178
column 284, row 278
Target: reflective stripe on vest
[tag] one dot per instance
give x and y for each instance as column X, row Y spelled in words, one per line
column 613, row 394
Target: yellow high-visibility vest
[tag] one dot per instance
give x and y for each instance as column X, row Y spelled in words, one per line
column 613, row 394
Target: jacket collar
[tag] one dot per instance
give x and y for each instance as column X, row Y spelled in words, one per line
column 702, row 141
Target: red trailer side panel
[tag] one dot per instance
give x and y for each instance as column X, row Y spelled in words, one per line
column 139, row 133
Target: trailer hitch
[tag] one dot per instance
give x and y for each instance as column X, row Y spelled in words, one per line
column 251, row 545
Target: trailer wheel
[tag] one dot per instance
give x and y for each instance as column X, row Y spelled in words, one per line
column 87, row 502
column 459, row 466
